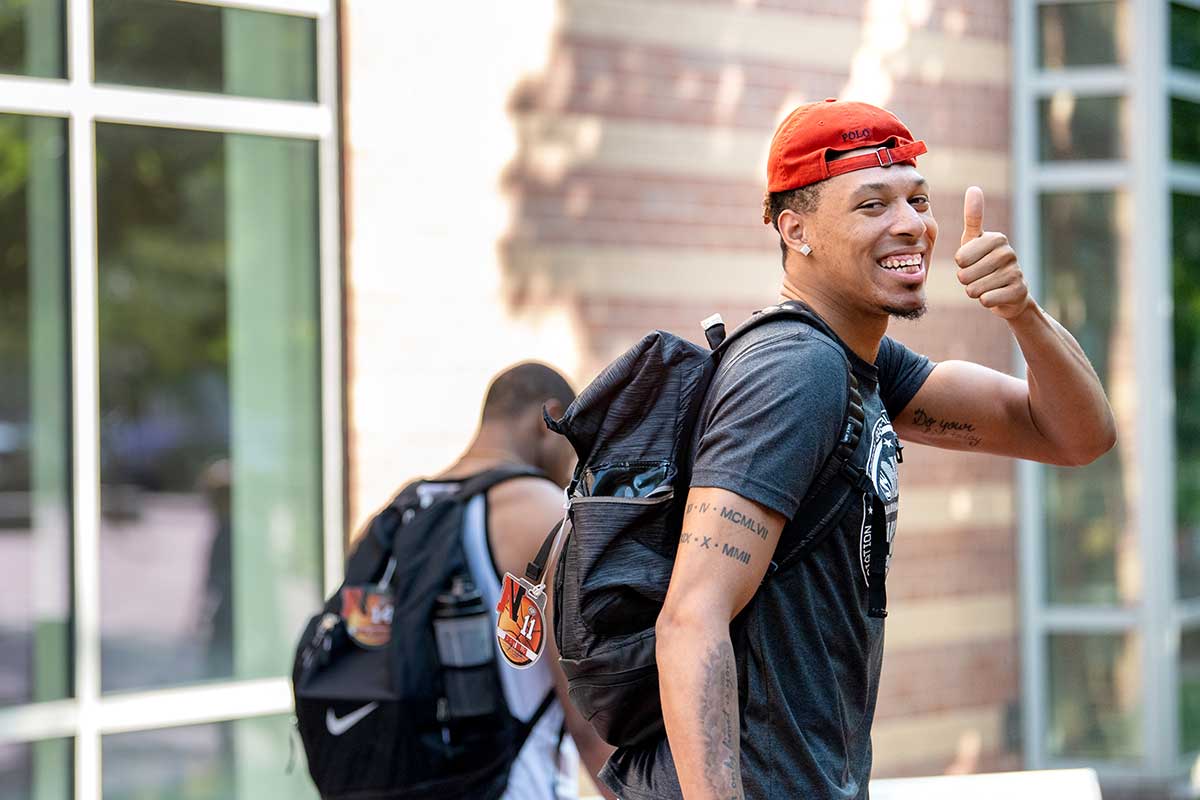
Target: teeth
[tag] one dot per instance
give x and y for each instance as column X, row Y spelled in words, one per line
column 902, row 262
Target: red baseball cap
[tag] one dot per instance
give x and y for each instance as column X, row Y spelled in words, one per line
column 799, row 151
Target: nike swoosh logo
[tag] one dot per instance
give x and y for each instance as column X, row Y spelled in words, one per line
column 338, row 726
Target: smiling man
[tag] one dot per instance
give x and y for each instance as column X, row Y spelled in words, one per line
column 768, row 686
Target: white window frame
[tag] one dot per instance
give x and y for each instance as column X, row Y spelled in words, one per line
column 1146, row 176
column 89, row 715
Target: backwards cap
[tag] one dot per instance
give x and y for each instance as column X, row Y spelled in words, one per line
column 799, row 150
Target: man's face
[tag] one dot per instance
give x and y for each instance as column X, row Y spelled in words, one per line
column 873, row 234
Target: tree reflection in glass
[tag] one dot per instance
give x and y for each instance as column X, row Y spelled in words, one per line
column 1089, row 541
column 209, row 401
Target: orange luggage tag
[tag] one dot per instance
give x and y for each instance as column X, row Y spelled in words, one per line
column 521, row 628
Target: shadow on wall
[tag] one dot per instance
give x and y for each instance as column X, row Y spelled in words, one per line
column 636, row 187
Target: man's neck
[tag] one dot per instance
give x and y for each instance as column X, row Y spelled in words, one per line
column 861, row 332
column 485, row 452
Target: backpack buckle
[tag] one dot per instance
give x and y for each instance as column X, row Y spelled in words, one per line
column 858, row 478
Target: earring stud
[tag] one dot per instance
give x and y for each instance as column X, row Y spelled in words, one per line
column 805, row 249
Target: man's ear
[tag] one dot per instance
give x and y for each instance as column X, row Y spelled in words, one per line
column 792, row 229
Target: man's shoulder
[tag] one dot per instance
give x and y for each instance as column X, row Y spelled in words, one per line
column 521, row 512
column 787, row 341
column 787, row 356
column 531, row 491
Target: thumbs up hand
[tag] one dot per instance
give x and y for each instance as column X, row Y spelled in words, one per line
column 987, row 264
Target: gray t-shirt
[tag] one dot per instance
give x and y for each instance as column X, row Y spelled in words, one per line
column 808, row 655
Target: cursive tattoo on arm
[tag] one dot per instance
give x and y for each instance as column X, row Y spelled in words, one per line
column 950, row 428
column 719, row 716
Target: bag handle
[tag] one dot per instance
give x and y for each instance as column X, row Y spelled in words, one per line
column 535, row 571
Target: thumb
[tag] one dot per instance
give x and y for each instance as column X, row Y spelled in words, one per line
column 972, row 214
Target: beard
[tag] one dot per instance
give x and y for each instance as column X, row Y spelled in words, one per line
column 909, row 314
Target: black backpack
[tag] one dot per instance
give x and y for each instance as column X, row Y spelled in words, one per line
column 632, row 429
column 374, row 722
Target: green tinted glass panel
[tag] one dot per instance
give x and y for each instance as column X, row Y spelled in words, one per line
column 31, row 38
column 1185, row 130
column 1095, row 697
column 209, row 403
column 205, row 48
column 1185, row 218
column 1080, row 35
column 37, row 770
column 1189, row 692
column 35, row 527
column 1086, row 539
column 1075, row 128
column 1185, row 36
column 242, row 760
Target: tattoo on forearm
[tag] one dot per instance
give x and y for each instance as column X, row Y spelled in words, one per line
column 707, row 543
column 719, row 716
column 736, row 517
column 953, row 429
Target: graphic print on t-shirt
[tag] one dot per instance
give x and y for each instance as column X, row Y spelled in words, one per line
column 881, row 466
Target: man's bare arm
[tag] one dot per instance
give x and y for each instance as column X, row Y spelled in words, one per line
column 724, row 549
column 1058, row 415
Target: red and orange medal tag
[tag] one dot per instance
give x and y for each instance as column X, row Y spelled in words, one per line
column 368, row 613
column 521, row 629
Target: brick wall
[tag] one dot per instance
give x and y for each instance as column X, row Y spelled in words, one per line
column 631, row 183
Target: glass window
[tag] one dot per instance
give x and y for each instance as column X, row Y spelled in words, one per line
column 40, row 770
column 1081, row 34
column 205, row 48
column 31, row 38
column 245, row 759
column 1095, row 700
column 1081, row 127
column 1189, row 692
column 1185, row 130
column 35, row 527
column 1185, row 213
column 1185, row 36
column 209, row 403
column 1089, row 541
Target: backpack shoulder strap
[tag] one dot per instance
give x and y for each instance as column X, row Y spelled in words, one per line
column 832, row 496
column 526, row 728
column 478, row 484
column 839, row 481
column 373, row 549
column 792, row 309
column 829, row 497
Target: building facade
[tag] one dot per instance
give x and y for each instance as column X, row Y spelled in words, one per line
column 260, row 258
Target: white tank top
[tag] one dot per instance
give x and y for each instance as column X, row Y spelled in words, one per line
column 543, row 770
